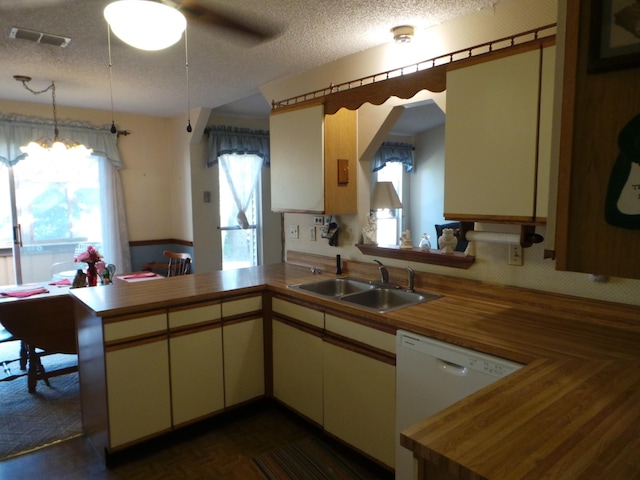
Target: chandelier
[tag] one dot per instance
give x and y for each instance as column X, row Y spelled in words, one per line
column 46, row 144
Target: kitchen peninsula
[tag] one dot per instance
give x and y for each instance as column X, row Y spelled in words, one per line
column 572, row 412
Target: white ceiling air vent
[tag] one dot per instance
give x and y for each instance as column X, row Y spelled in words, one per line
column 39, row 37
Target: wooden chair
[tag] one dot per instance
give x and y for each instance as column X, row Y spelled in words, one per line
column 179, row 263
column 7, row 337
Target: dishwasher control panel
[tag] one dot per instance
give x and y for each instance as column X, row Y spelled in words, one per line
column 455, row 357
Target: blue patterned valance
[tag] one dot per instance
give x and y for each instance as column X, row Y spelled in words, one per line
column 393, row 152
column 225, row 140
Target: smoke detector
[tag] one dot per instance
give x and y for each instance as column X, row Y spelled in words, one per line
column 39, row 37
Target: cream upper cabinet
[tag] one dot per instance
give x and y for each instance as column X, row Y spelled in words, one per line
column 498, row 138
column 313, row 161
column 297, row 168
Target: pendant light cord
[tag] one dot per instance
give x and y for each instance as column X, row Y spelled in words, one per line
column 186, row 62
column 113, row 123
column 51, row 87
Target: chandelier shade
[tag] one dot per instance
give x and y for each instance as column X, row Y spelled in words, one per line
column 55, row 147
column 145, row 24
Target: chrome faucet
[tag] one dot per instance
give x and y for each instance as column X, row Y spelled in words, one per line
column 384, row 273
column 411, row 275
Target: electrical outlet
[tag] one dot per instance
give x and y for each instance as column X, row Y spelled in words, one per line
column 515, row 254
column 293, row 231
column 318, row 220
column 312, row 234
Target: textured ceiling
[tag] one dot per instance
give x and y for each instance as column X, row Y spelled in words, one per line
column 222, row 67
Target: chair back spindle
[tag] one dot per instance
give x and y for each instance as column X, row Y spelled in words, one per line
column 179, row 263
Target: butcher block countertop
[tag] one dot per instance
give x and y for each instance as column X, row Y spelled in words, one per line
column 572, row 413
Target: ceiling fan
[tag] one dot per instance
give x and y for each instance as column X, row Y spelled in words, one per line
column 198, row 11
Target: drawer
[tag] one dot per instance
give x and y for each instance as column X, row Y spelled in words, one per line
column 361, row 333
column 193, row 315
column 298, row 312
column 135, row 327
column 242, row 305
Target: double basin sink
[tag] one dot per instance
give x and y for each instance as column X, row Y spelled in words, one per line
column 365, row 294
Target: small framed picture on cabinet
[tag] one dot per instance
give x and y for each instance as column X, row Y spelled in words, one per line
column 614, row 36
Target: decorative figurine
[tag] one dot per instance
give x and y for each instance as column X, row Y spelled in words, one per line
column 369, row 231
column 405, row 240
column 447, row 242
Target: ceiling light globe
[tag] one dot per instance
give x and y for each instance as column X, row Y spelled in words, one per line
column 403, row 33
column 145, row 24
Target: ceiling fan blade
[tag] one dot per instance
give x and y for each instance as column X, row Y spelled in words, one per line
column 195, row 11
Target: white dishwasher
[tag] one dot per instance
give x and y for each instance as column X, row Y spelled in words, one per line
column 430, row 376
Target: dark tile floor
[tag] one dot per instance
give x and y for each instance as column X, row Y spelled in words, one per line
column 220, row 449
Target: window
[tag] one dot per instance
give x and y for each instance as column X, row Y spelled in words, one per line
column 58, row 202
column 389, row 220
column 240, row 193
column 57, row 205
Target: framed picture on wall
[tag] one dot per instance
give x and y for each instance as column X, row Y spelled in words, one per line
column 614, row 35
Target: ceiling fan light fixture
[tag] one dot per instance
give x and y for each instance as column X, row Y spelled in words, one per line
column 145, row 24
column 403, row 33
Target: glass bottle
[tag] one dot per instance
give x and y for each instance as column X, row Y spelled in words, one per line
column 425, row 244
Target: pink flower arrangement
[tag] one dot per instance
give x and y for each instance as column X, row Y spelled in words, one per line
column 90, row 256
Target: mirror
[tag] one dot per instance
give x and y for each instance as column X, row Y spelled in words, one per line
column 420, row 124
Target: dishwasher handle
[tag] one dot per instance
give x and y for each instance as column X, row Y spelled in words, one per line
column 452, row 368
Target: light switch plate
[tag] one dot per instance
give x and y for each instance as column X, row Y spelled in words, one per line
column 312, row 234
column 293, row 231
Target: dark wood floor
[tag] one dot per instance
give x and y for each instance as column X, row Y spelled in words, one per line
column 221, row 449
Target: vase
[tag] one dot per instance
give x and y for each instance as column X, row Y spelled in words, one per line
column 92, row 274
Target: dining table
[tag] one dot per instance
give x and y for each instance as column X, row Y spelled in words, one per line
column 41, row 315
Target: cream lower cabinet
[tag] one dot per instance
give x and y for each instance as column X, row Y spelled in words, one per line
column 359, row 387
column 297, row 358
column 243, row 350
column 195, row 346
column 137, row 378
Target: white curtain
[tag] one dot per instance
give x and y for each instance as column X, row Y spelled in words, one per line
column 243, row 174
column 115, row 237
column 16, row 131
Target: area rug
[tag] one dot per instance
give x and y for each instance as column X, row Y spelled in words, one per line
column 29, row 421
column 309, row 459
